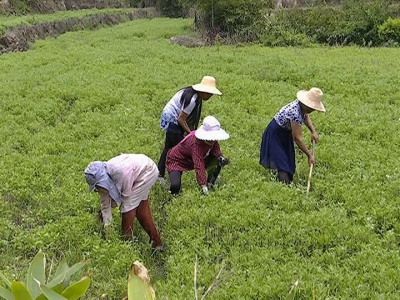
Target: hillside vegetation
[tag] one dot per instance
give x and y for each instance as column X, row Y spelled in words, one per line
column 270, row 23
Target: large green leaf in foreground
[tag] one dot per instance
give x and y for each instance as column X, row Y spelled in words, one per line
column 139, row 283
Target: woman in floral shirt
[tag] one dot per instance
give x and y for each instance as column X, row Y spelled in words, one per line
column 277, row 147
column 199, row 150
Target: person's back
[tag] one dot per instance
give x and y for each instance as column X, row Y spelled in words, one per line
column 126, row 169
column 184, row 150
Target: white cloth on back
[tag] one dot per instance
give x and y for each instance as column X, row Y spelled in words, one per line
column 134, row 175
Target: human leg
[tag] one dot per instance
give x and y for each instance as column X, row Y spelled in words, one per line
column 171, row 139
column 175, row 178
column 145, row 219
column 163, row 158
column 285, row 177
column 127, row 219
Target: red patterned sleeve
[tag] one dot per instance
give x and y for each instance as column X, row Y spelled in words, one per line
column 199, row 165
column 216, row 150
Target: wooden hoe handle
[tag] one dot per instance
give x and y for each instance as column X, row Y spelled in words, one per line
column 311, row 167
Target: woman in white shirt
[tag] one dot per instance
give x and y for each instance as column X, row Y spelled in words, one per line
column 182, row 114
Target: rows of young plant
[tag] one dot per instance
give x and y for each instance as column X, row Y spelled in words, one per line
column 88, row 96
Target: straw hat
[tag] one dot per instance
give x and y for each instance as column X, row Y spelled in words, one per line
column 207, row 85
column 312, row 98
column 211, row 130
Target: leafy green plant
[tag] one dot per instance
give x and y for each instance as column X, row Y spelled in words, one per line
column 356, row 22
column 38, row 287
column 390, row 30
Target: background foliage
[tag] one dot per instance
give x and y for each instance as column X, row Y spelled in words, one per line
column 87, row 96
column 271, row 22
column 288, row 23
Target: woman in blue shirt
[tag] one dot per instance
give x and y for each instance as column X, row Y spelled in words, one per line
column 277, row 146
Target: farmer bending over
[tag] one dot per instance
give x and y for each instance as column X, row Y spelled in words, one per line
column 125, row 181
column 182, row 114
column 277, row 147
column 199, row 151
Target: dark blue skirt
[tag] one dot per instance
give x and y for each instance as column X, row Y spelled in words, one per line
column 277, row 149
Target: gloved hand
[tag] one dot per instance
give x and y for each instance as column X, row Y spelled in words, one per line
column 223, row 161
column 204, row 190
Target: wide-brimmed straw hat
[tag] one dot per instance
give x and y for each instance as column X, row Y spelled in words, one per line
column 211, row 130
column 96, row 175
column 207, row 85
column 312, row 98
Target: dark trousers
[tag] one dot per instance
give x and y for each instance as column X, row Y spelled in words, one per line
column 172, row 138
column 213, row 170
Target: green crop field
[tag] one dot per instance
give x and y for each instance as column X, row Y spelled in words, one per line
column 91, row 95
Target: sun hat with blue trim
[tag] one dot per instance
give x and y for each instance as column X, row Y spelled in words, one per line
column 96, row 175
column 211, row 130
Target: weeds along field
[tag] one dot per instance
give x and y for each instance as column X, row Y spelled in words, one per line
column 14, row 21
column 91, row 95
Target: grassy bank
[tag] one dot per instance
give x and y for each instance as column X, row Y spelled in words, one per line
column 7, row 22
column 91, row 95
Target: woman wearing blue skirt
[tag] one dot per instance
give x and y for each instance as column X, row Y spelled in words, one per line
column 277, row 147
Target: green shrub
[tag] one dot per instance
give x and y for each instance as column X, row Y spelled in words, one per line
column 229, row 18
column 279, row 36
column 389, row 31
column 354, row 23
column 172, row 8
column 22, row 7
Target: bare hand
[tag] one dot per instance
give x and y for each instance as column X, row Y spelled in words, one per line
column 311, row 160
column 314, row 137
